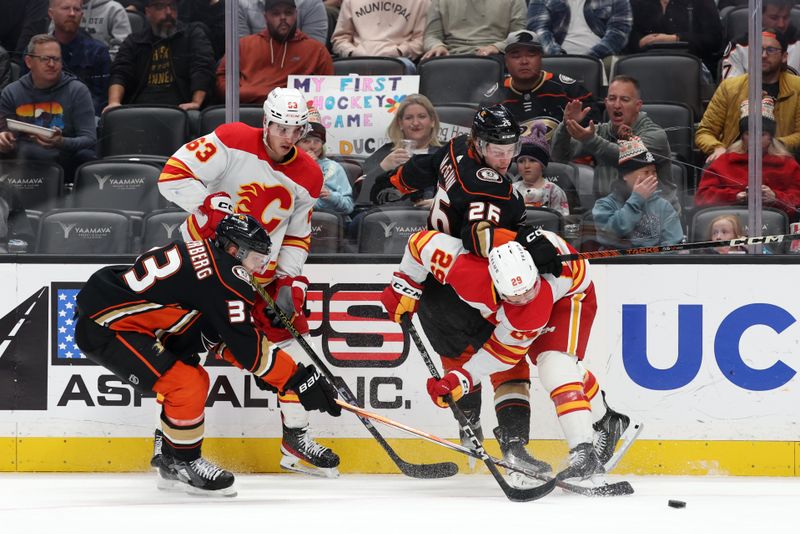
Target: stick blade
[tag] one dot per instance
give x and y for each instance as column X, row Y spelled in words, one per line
column 437, row 470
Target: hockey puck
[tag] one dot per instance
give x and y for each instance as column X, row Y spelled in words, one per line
column 676, row 504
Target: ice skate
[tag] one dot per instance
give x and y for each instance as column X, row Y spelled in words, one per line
column 304, row 455
column 614, row 428
column 196, row 477
column 584, row 468
column 475, row 422
column 158, row 441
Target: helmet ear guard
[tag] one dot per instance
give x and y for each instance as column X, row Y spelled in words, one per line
column 512, row 269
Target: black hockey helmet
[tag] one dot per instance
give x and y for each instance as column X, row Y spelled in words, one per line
column 497, row 125
column 245, row 232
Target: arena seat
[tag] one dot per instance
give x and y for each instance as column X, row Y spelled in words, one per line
column 371, row 66
column 545, row 218
column 774, row 221
column 134, row 129
column 214, row 116
column 40, row 184
column 327, row 230
column 656, row 73
column 137, row 20
column 386, row 230
column 458, row 79
column 676, row 120
column 84, row 231
column 161, row 227
column 126, row 186
column 585, row 186
column 586, row 70
column 353, row 170
column 565, row 176
column 458, row 114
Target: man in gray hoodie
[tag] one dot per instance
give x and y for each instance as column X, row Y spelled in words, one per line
column 572, row 140
column 106, row 21
column 48, row 97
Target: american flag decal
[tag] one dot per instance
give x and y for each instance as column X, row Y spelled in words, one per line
column 62, row 320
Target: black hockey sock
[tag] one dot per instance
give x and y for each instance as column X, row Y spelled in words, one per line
column 514, row 416
column 182, row 442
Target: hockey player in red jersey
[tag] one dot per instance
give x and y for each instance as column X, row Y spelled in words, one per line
column 476, row 202
column 547, row 317
column 149, row 321
column 259, row 171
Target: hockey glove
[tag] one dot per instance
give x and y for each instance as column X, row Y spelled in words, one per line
column 455, row 383
column 285, row 303
column 383, row 191
column 544, row 253
column 214, row 208
column 314, row 390
column 401, row 296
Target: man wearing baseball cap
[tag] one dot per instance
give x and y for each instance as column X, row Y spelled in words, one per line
column 532, row 94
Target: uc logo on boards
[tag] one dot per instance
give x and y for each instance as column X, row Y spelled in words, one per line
column 690, row 347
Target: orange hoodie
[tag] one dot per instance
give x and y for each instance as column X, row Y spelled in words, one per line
column 265, row 63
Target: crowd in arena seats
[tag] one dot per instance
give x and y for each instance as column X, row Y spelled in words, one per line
column 564, row 73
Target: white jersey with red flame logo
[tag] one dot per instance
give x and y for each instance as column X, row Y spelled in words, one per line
column 517, row 326
column 281, row 196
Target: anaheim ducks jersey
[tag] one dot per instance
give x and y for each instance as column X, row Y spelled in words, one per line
column 280, row 195
column 544, row 103
column 168, row 290
column 516, row 327
column 471, row 198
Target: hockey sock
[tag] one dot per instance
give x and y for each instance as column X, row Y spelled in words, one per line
column 591, row 388
column 292, row 412
column 184, row 389
column 562, row 380
column 513, row 408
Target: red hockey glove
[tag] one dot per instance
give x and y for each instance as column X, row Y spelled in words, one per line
column 289, row 294
column 401, row 296
column 456, row 383
column 214, row 208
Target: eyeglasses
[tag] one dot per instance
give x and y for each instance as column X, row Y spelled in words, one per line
column 771, row 50
column 47, row 59
column 624, row 99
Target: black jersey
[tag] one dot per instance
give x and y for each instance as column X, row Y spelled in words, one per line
column 544, row 103
column 471, row 198
column 168, row 292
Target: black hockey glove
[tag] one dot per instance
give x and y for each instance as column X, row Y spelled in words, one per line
column 285, row 302
column 383, row 191
column 314, row 390
column 544, row 254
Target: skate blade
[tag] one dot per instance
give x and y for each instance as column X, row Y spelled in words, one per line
column 625, row 441
column 297, row 465
column 522, row 481
column 176, row 486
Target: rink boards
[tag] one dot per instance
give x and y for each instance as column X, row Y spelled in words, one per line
column 704, row 354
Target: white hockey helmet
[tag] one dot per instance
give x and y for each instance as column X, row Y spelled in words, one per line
column 512, row 269
column 285, row 106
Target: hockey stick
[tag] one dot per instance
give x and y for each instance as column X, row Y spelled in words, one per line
column 608, row 490
column 621, row 488
column 437, row 470
column 514, row 494
column 738, row 242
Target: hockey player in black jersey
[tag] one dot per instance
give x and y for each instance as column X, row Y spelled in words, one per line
column 475, row 201
column 149, row 321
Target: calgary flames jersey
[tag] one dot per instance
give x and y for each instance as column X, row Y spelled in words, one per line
column 281, row 196
column 516, row 327
column 172, row 292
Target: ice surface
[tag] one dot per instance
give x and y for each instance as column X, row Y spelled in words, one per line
column 271, row 504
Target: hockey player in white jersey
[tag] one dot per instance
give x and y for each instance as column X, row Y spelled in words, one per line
column 259, row 171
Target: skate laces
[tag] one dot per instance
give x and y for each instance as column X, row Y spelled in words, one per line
column 311, row 446
column 206, row 469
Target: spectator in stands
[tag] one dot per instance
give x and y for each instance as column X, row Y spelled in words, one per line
column 533, row 157
column 21, row 20
column 137, row 6
column 624, row 104
column 312, row 18
column 415, row 121
column 725, row 228
column 600, row 28
column 532, row 94
column 16, row 233
column 725, row 180
column 775, row 14
column 695, row 22
column 266, row 59
column 106, row 21
column 719, row 127
column 336, row 194
column 5, row 68
column 51, row 98
column 209, row 13
column 634, row 214
column 85, row 58
column 478, row 27
column 167, row 63
column 388, row 29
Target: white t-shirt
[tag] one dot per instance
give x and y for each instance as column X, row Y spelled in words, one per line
column 580, row 38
